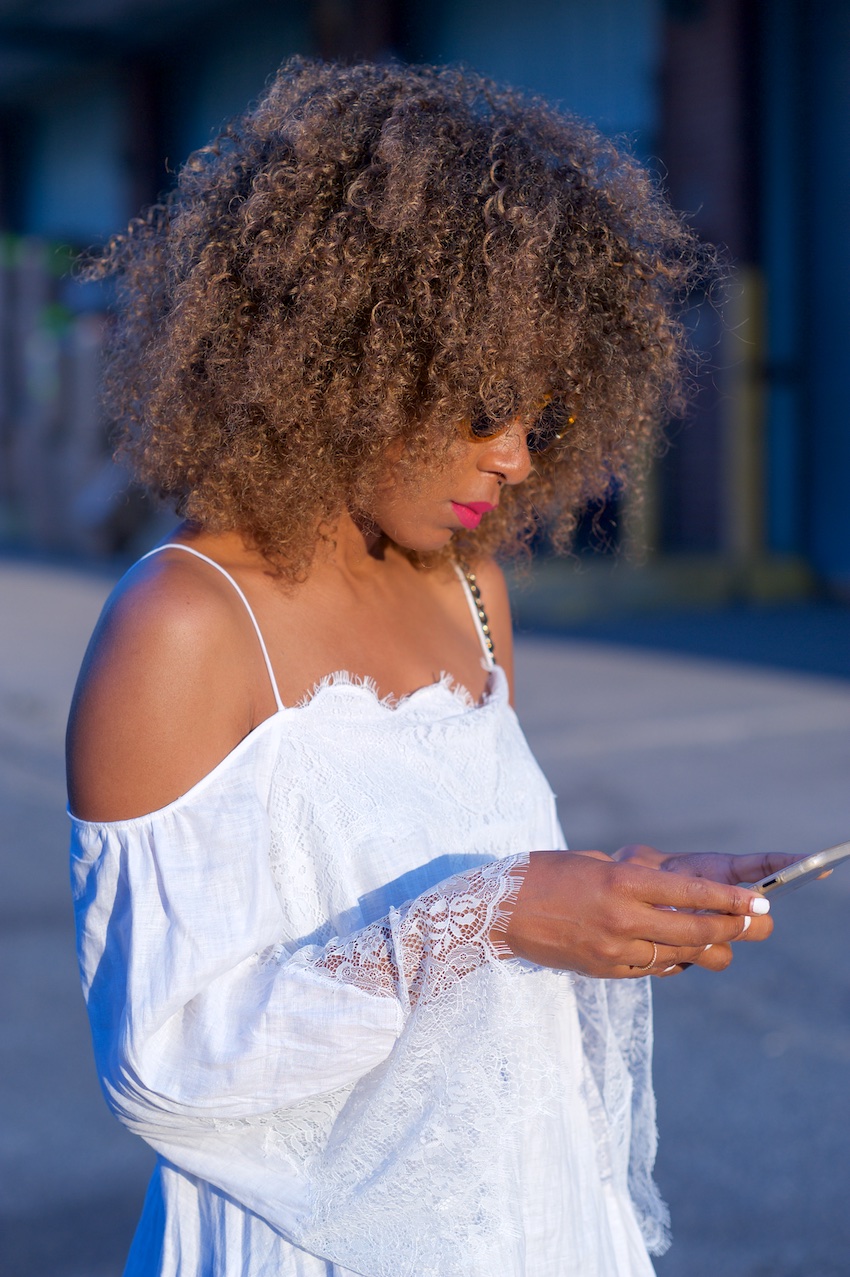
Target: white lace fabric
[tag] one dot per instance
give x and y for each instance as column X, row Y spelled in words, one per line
column 429, row 944
column 298, row 996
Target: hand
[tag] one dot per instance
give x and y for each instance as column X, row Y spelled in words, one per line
column 721, row 868
column 717, row 867
column 589, row 913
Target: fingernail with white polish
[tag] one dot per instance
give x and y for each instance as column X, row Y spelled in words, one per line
column 760, row 905
column 747, row 922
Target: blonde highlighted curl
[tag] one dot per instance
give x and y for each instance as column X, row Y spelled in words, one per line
column 373, row 256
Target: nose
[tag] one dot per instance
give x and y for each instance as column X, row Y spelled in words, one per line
column 507, row 455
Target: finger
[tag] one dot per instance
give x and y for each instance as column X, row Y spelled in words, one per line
column 643, row 965
column 715, row 958
column 759, row 929
column 674, row 961
column 662, row 959
column 681, row 892
column 642, row 854
column 752, row 867
column 696, row 930
column 691, row 957
column 673, row 969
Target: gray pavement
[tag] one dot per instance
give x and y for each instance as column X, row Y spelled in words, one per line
column 691, row 754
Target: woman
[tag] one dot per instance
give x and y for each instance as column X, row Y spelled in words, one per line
column 388, row 320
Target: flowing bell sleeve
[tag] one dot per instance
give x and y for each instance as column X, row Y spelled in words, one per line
column 276, row 1075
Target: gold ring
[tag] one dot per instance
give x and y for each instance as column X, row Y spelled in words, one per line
column 651, row 962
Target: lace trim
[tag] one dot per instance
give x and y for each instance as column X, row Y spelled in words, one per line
column 446, row 682
column 430, row 944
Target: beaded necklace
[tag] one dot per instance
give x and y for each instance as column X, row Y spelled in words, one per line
column 479, row 606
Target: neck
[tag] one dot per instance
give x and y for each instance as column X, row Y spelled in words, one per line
column 352, row 544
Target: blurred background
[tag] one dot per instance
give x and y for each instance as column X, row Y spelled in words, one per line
column 736, row 566
column 741, row 106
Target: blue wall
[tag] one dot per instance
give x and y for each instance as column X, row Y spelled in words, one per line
column 76, row 174
column 782, row 196
column 228, row 69
column 825, row 183
column 599, row 59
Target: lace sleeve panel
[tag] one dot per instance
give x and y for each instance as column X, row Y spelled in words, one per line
column 429, row 944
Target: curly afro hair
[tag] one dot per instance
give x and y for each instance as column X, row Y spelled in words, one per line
column 371, row 256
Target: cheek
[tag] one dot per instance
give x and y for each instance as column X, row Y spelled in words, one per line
column 413, row 515
column 411, row 505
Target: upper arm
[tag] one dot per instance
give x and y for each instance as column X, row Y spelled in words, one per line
column 163, row 694
column 494, row 596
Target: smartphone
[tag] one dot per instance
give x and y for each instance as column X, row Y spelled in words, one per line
column 802, row 871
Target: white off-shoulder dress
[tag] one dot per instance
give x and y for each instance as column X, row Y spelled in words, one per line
column 294, row 1000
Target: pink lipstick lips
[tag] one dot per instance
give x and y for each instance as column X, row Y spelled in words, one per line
column 471, row 513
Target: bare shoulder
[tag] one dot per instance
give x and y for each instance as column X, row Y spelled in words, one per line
column 497, row 605
column 164, row 692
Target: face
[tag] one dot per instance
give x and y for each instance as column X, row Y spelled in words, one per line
column 422, row 510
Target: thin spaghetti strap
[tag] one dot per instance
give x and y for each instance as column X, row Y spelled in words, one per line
column 177, row 545
column 476, row 607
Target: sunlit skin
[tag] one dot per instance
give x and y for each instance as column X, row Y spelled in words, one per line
column 416, row 510
column 145, row 727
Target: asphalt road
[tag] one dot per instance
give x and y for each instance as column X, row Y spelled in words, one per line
column 691, row 754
